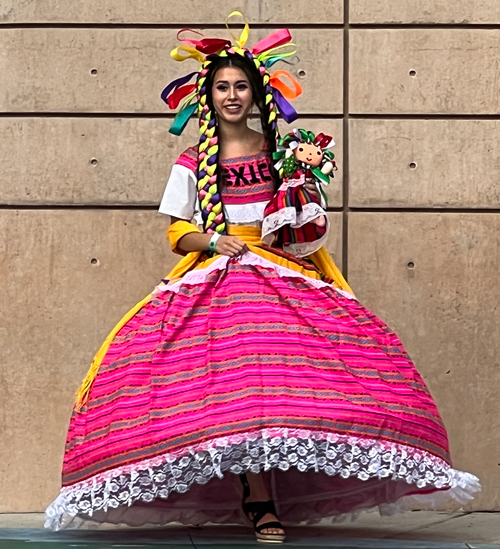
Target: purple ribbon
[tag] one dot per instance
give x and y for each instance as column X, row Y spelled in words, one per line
column 176, row 84
column 288, row 113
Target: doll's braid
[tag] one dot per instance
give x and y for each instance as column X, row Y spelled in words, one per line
column 208, row 160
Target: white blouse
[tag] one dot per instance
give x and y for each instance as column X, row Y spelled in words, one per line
column 180, row 199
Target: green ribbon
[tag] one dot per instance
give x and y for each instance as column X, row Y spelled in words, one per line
column 182, row 118
column 321, row 176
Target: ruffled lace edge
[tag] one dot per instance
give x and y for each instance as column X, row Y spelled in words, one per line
column 199, row 276
column 290, row 216
column 430, row 472
column 303, row 249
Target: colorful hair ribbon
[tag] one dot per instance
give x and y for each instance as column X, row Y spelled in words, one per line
column 278, row 38
column 194, row 45
column 282, row 92
column 242, row 40
column 288, row 113
column 176, row 84
column 181, row 53
column 182, row 118
column 287, row 91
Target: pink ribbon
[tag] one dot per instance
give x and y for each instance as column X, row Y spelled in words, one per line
column 277, row 38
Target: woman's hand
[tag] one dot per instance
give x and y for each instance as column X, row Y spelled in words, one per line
column 311, row 188
column 231, row 246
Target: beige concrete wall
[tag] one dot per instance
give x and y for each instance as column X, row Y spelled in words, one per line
column 85, row 153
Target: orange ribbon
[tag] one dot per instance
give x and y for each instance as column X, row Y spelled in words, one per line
column 289, row 92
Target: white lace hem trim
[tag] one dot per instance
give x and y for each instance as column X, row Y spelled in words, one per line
column 282, row 448
column 199, row 276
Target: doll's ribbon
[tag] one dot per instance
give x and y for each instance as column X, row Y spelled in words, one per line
column 242, row 40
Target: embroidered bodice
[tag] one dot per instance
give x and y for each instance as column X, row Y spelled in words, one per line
column 246, row 186
column 247, row 180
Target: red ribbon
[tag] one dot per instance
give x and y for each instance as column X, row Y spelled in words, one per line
column 205, row 45
column 176, row 97
column 322, row 140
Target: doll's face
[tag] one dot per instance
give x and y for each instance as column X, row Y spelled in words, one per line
column 309, row 154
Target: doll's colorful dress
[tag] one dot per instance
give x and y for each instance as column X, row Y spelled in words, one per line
column 291, row 217
column 264, row 362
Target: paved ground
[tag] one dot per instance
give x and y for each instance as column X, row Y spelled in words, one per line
column 416, row 530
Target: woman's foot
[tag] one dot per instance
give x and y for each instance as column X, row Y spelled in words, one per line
column 260, row 510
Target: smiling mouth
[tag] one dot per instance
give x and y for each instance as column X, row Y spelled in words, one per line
column 232, row 107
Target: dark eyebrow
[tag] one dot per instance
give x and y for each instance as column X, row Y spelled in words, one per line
column 237, row 82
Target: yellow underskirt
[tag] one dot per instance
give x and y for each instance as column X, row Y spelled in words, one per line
column 191, row 261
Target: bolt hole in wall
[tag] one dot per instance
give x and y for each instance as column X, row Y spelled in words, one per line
column 410, row 265
column 94, row 261
column 413, row 73
column 93, row 161
column 93, row 71
column 412, row 165
column 301, row 73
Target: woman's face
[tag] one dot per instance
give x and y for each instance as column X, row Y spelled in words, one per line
column 231, row 94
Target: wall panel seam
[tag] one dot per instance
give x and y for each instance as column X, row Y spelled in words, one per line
column 176, row 26
column 345, row 140
column 166, row 26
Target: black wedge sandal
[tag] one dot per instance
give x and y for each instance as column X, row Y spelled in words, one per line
column 255, row 510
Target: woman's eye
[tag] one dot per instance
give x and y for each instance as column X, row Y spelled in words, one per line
column 242, row 87
column 301, row 149
column 222, row 88
column 318, row 153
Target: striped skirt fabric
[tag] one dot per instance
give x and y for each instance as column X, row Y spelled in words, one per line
column 247, row 364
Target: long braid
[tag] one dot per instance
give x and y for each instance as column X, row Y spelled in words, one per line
column 208, row 160
column 208, row 146
column 269, row 118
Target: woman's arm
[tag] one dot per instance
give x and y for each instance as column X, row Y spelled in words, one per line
column 231, row 246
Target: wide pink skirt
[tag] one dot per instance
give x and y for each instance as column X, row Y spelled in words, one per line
column 248, row 365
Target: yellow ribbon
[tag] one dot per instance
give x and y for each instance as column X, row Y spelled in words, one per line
column 273, row 52
column 242, row 40
column 190, row 53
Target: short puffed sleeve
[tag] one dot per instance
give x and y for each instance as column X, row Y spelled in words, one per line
column 180, row 198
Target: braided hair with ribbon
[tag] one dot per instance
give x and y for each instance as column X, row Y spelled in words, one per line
column 270, row 94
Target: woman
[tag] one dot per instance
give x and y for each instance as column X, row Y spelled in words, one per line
column 246, row 361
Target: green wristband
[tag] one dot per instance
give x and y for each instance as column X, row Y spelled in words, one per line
column 213, row 241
